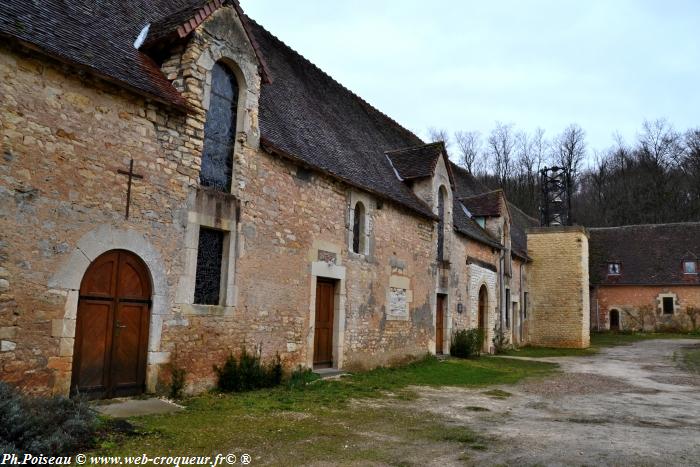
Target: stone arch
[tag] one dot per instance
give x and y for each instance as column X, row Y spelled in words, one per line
column 69, row 277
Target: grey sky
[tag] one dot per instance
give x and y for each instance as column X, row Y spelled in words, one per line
column 462, row 65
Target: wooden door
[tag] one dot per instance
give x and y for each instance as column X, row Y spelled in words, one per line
column 111, row 337
column 483, row 302
column 323, row 326
column 439, row 324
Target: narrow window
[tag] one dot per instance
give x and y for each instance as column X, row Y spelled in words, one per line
column 358, row 229
column 207, row 288
column 508, row 308
column 220, row 130
column 614, row 269
column 525, row 305
column 690, row 267
column 668, row 305
column 441, row 225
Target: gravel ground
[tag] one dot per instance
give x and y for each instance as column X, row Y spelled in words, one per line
column 627, row 405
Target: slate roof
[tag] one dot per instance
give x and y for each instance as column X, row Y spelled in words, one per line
column 97, row 37
column 305, row 114
column 485, row 204
column 469, row 227
column 519, row 223
column 308, row 116
column 648, row 254
column 416, row 162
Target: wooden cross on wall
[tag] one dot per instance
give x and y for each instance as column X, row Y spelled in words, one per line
column 130, row 173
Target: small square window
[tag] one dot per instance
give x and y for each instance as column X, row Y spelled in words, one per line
column 668, row 305
column 614, row 269
column 690, row 267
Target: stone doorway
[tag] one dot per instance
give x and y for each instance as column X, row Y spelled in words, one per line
column 614, row 320
column 111, row 339
column 483, row 310
column 323, row 323
column 440, row 324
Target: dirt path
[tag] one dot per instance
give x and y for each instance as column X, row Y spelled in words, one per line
column 628, row 405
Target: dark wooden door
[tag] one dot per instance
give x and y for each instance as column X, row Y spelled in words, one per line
column 439, row 324
column 483, row 298
column 323, row 327
column 111, row 337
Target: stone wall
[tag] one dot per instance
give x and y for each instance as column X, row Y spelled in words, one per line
column 641, row 307
column 559, row 316
column 62, row 203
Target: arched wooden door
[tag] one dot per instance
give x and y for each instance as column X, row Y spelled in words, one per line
column 483, row 310
column 111, row 336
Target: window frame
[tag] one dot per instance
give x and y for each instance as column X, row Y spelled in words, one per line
column 610, row 264
column 694, row 262
column 223, row 266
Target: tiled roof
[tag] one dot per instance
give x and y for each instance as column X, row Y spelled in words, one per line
column 485, row 204
column 648, row 254
column 97, row 37
column 306, row 115
column 416, row 162
column 519, row 223
column 465, row 183
column 469, row 227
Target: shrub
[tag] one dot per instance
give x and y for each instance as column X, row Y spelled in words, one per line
column 177, row 381
column 466, row 343
column 300, row 377
column 500, row 340
column 49, row 426
column 246, row 372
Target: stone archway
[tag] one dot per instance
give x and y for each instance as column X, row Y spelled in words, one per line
column 483, row 314
column 68, row 281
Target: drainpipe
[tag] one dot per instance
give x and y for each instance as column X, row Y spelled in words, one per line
column 522, row 303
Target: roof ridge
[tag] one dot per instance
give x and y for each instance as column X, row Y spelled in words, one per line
column 650, row 225
column 418, row 146
column 352, row 93
column 484, row 194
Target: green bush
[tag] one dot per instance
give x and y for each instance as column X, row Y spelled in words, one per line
column 466, row 343
column 300, row 377
column 246, row 373
column 48, row 426
column 177, row 382
column 500, row 340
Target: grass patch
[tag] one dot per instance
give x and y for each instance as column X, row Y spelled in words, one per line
column 539, row 352
column 497, row 394
column 318, row 423
column 612, row 339
column 476, row 408
column 691, row 359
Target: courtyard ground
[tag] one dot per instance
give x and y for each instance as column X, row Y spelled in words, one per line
column 630, row 404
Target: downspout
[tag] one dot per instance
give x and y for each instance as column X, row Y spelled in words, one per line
column 522, row 304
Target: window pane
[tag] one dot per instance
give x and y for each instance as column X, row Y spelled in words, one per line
column 209, row 259
column 217, row 163
column 220, row 130
column 690, row 267
column 356, row 230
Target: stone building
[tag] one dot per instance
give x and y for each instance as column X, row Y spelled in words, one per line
column 177, row 183
column 645, row 277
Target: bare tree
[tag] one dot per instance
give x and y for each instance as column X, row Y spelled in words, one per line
column 501, row 147
column 660, row 144
column 439, row 134
column 569, row 153
column 469, row 145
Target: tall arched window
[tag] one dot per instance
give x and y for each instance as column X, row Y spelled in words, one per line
column 358, row 229
column 442, row 195
column 220, row 130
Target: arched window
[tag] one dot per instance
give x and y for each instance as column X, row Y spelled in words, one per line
column 220, row 130
column 358, row 229
column 442, row 195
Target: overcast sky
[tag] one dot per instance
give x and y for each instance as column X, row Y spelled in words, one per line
column 462, row 65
